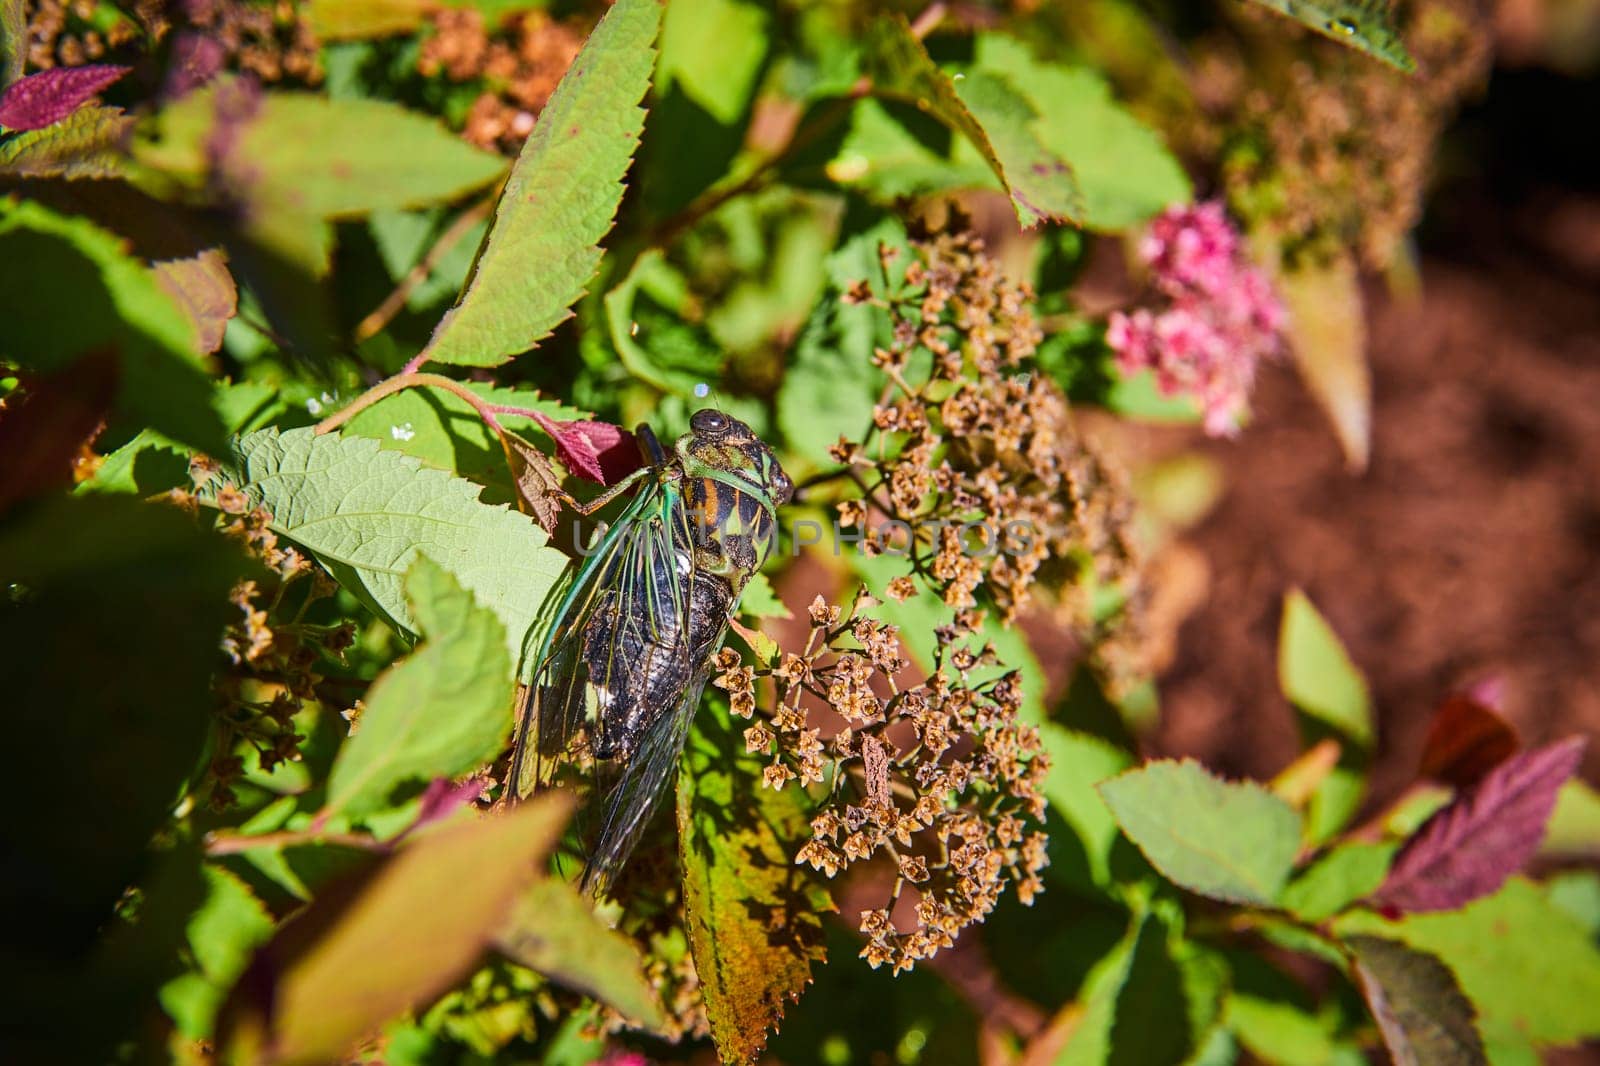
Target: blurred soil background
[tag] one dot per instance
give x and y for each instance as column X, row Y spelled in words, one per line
column 1469, row 550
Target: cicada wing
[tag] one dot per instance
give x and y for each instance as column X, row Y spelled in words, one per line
column 635, row 798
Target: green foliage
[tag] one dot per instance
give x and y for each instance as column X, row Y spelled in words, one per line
column 463, row 665
column 1330, row 699
column 560, row 199
column 754, row 918
column 986, row 110
column 1227, row 840
column 411, row 926
column 72, row 291
column 366, row 513
column 261, row 729
column 1366, row 25
column 1125, row 173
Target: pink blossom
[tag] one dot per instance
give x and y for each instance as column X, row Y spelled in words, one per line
column 1216, row 315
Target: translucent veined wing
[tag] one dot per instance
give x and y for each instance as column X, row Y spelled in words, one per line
column 608, row 707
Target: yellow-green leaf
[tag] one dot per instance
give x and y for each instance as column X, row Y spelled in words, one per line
column 387, row 941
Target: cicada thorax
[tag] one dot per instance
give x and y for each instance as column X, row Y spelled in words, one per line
column 733, row 530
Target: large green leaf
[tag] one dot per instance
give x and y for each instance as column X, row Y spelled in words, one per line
column 1423, row 1016
column 1530, row 967
column 313, row 157
column 444, row 710
column 71, row 289
column 1137, row 983
column 1228, row 840
column 754, row 916
column 387, row 940
column 1121, row 165
column 366, row 513
column 986, row 110
column 543, row 247
column 1365, row 25
column 554, row 931
column 1331, row 701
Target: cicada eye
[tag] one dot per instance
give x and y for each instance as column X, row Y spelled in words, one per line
column 782, row 487
column 710, row 422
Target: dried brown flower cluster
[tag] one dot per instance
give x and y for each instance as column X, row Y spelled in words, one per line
column 267, row 38
column 976, row 452
column 273, row 654
column 1333, row 149
column 941, row 777
column 520, row 67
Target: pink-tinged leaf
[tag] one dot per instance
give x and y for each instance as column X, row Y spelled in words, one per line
column 595, row 451
column 1470, row 847
column 45, row 98
column 442, row 798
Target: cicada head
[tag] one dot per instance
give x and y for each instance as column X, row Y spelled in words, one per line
column 720, row 447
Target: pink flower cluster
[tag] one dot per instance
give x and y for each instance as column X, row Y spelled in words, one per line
column 1218, row 317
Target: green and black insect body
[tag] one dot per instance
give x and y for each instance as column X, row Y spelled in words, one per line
column 622, row 669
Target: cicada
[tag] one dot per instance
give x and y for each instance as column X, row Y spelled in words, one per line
column 621, row 670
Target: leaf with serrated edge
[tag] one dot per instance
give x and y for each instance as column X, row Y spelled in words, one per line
column 1420, row 1009
column 753, row 915
column 1233, row 841
column 1365, row 25
column 992, row 115
column 553, row 931
column 1469, row 848
column 440, row 712
column 85, row 144
column 559, row 202
column 366, row 513
column 389, row 940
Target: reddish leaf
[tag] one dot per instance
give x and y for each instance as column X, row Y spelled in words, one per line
column 1469, row 848
column 46, row 424
column 45, row 98
column 443, row 798
column 1466, row 740
column 202, row 286
column 596, row 451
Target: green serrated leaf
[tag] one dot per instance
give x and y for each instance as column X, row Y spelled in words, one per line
column 366, row 513
column 1137, row 980
column 986, row 110
column 1125, row 172
column 753, row 915
column 1365, row 25
column 411, row 927
column 85, row 144
column 442, row 711
column 1527, row 964
column 1346, row 874
column 543, row 246
column 554, row 932
column 1421, row 1012
column 1227, row 840
column 72, row 289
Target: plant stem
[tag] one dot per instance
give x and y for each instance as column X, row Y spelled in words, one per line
column 235, row 844
column 391, row 305
column 407, row 379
